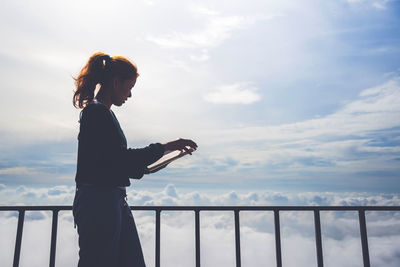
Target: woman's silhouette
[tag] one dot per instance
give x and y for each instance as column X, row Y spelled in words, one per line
column 106, row 228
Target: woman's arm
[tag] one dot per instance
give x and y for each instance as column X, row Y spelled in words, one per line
column 105, row 146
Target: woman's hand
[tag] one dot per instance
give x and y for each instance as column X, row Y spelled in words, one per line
column 181, row 144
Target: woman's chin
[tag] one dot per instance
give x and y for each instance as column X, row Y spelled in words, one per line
column 120, row 103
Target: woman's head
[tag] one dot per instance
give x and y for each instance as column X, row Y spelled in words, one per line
column 115, row 75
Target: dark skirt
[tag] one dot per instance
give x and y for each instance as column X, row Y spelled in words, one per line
column 107, row 232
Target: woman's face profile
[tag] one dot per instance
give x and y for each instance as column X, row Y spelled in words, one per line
column 122, row 90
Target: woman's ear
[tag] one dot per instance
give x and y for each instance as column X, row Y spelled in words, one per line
column 115, row 83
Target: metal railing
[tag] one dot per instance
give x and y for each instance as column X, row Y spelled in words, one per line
column 236, row 209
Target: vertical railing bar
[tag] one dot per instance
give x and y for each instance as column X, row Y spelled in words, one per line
column 18, row 239
column 318, row 239
column 237, row 237
column 158, row 226
column 197, row 236
column 364, row 239
column 53, row 239
column 277, row 239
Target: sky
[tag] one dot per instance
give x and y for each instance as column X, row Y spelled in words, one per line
column 282, row 96
column 290, row 102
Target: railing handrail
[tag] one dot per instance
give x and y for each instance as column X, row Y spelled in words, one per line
column 218, row 208
column 236, row 209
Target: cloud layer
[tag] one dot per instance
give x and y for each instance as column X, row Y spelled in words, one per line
column 340, row 229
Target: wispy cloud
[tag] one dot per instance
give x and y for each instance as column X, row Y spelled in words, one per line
column 378, row 4
column 345, row 141
column 239, row 93
column 217, row 30
column 203, row 56
column 19, row 171
column 376, row 109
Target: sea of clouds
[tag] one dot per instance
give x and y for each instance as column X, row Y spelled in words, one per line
column 340, row 230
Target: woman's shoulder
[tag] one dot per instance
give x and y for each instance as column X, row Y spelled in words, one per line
column 95, row 109
column 95, row 105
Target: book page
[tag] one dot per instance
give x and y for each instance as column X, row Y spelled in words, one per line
column 166, row 159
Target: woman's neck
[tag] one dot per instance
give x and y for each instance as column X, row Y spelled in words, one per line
column 104, row 99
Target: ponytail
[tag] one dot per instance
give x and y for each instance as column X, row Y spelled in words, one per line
column 100, row 69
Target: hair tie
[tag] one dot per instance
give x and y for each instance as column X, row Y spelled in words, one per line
column 107, row 60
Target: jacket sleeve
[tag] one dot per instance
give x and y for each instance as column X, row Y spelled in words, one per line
column 143, row 157
column 108, row 147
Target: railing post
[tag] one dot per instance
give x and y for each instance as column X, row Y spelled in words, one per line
column 277, row 239
column 364, row 239
column 158, row 226
column 237, row 238
column 197, row 236
column 17, row 251
column 53, row 238
column 318, row 239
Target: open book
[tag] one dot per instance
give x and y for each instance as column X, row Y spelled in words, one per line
column 166, row 159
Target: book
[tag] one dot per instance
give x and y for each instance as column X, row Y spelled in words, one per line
column 167, row 159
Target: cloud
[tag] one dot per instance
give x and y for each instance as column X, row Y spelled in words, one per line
column 18, row 171
column 171, row 191
column 378, row 4
column 375, row 109
column 361, row 137
column 340, row 230
column 22, row 195
column 61, row 195
column 214, row 41
column 21, row 189
column 204, row 56
column 239, row 93
column 59, row 190
column 35, row 215
column 217, row 29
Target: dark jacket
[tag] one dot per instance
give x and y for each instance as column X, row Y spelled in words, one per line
column 103, row 156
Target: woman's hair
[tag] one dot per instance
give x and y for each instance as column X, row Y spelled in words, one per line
column 100, row 69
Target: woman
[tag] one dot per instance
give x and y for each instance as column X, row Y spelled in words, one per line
column 106, row 228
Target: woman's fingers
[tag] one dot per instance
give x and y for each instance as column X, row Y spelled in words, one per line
column 189, row 143
column 182, row 144
column 192, row 144
column 187, row 150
